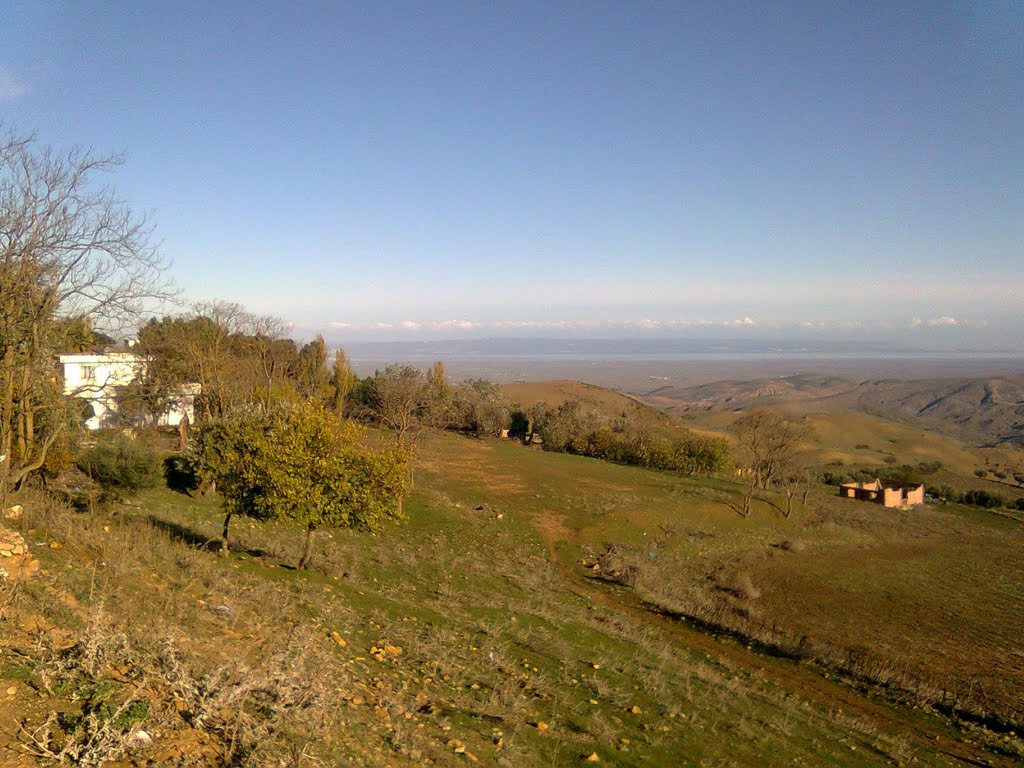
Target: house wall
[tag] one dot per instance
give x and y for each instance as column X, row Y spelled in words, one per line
column 96, row 379
column 874, row 491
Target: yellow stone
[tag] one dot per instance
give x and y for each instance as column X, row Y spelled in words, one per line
column 593, row 758
column 542, row 726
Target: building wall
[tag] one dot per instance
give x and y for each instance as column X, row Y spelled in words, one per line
column 915, row 495
column 96, row 379
column 892, row 496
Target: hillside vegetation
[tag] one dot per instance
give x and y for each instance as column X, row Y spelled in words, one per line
column 480, row 631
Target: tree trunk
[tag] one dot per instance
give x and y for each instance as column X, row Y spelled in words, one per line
column 307, row 549
column 747, row 499
column 224, row 536
column 789, row 501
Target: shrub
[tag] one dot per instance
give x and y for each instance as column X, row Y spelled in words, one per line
column 833, row 478
column 120, row 466
column 945, row 492
column 980, row 473
column 983, row 499
column 181, row 473
column 999, row 473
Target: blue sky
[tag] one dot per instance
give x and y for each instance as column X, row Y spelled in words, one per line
column 442, row 169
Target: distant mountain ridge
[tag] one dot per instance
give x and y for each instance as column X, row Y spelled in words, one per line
column 984, row 411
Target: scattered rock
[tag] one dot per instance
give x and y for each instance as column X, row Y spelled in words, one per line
column 634, row 710
column 14, row 513
column 542, row 726
column 56, row 545
column 593, row 758
column 142, row 737
column 15, row 561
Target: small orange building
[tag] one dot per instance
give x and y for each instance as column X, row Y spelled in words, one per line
column 886, row 494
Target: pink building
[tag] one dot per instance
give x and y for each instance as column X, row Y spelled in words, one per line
column 886, row 494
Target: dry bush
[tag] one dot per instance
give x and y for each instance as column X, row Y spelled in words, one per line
column 614, row 566
column 100, row 736
column 745, row 588
column 275, row 702
column 101, row 676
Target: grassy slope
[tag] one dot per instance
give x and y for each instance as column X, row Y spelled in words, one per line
column 498, row 628
column 939, row 590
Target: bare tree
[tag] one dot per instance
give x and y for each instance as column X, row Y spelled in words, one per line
column 767, row 442
column 69, row 248
column 397, row 396
column 234, row 355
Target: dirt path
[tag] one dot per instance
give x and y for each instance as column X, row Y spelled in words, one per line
column 928, row 734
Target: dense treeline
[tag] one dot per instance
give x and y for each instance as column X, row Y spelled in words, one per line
column 571, row 428
column 235, row 356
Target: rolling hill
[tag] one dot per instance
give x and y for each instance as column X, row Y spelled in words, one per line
column 982, row 412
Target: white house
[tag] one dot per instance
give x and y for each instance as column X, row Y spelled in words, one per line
column 96, row 378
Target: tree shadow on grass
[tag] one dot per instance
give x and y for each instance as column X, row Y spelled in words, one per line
column 196, row 540
column 179, row 476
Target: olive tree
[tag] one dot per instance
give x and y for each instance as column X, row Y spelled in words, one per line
column 72, row 253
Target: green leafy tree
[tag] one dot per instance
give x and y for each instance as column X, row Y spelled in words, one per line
column 235, row 356
column 343, row 382
column 305, row 464
column 480, row 408
column 440, row 397
column 314, row 379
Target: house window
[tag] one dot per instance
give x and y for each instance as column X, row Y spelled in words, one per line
column 88, row 373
